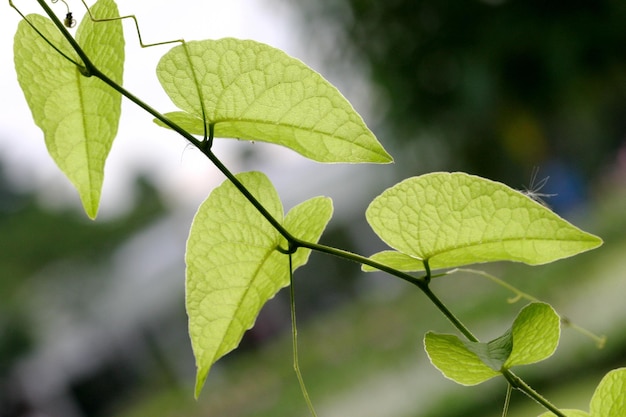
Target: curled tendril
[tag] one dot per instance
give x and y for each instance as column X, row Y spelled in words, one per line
column 515, row 299
column 599, row 340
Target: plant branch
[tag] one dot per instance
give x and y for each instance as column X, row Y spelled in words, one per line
column 449, row 315
column 421, row 283
column 89, row 69
column 517, row 383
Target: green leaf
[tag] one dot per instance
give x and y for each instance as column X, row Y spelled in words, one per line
column 454, row 219
column 532, row 338
column 78, row 115
column 233, row 265
column 535, row 335
column 609, row 399
column 452, row 357
column 250, row 90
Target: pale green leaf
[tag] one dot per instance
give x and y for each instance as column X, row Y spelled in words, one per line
column 250, row 90
column 609, row 399
column 535, row 333
column 532, row 338
column 307, row 221
column 451, row 356
column 454, row 219
column 78, row 115
column 233, row 265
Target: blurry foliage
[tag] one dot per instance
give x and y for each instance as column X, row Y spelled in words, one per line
column 32, row 237
column 505, row 85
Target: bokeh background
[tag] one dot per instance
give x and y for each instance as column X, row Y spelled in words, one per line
column 92, row 319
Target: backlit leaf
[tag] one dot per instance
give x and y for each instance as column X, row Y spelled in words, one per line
column 451, row 356
column 454, row 219
column 609, row 399
column 78, row 115
column 535, row 334
column 532, row 338
column 233, row 265
column 250, row 90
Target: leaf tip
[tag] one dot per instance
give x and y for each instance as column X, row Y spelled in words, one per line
column 91, row 209
column 90, row 201
column 200, row 380
column 385, row 157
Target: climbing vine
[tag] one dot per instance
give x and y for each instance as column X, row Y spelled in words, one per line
column 242, row 247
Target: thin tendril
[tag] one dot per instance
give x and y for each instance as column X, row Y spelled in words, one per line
column 143, row 45
column 207, row 139
column 599, row 340
column 294, row 340
column 208, row 130
column 518, row 293
column 507, row 400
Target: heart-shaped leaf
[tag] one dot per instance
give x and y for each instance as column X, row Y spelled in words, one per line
column 233, row 265
column 78, row 115
column 454, row 219
column 249, row 90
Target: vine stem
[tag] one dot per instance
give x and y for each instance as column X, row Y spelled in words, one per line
column 88, row 69
column 519, row 384
column 421, row 283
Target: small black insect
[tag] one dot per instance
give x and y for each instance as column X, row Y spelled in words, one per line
column 69, row 21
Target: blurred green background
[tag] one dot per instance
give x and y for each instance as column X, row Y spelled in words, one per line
column 92, row 319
